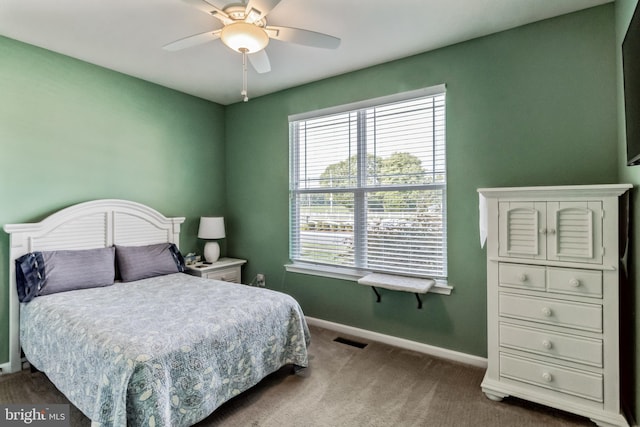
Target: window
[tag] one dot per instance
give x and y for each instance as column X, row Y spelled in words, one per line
column 368, row 186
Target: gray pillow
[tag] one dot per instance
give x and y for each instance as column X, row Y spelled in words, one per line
column 80, row 269
column 142, row 262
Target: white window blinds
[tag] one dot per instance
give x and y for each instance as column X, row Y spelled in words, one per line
column 368, row 187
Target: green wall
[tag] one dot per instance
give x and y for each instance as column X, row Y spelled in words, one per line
column 531, row 106
column 71, row 132
column 631, row 297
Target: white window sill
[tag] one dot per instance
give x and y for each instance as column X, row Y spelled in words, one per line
column 441, row 286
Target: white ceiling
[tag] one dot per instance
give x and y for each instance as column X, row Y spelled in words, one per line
column 128, row 35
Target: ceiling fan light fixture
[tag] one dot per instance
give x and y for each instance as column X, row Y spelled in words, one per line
column 242, row 36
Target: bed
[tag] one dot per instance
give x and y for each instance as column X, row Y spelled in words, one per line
column 163, row 350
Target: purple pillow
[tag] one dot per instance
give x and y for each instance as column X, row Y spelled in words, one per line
column 141, row 262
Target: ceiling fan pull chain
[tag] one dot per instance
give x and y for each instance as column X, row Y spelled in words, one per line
column 244, row 75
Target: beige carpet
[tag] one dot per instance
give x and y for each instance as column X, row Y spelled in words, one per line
column 347, row 386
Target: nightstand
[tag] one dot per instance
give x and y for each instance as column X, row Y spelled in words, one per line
column 226, row 269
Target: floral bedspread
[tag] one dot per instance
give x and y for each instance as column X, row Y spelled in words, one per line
column 165, row 351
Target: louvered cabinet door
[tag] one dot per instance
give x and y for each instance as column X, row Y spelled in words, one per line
column 574, row 231
column 521, row 230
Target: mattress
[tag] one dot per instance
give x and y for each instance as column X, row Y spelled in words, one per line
column 162, row 351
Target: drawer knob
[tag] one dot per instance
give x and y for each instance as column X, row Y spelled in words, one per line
column 547, row 377
column 574, row 282
column 546, row 311
column 547, row 344
column 522, row 277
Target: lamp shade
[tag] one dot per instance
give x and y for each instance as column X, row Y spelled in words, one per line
column 211, row 228
column 241, row 36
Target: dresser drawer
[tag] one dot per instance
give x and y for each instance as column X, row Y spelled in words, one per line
column 227, row 275
column 571, row 381
column 575, row 281
column 561, row 346
column 552, row 311
column 522, row 276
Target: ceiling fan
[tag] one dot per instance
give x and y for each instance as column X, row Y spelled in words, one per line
column 245, row 30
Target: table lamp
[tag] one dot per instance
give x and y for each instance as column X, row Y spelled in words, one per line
column 211, row 228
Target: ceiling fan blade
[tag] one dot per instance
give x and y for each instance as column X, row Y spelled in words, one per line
column 194, row 40
column 260, row 61
column 220, row 4
column 257, row 9
column 303, row 37
column 210, row 8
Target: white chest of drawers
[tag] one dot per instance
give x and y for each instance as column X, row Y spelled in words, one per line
column 553, row 296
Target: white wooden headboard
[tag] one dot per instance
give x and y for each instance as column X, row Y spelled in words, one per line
column 88, row 225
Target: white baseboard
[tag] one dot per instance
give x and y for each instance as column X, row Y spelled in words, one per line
column 401, row 342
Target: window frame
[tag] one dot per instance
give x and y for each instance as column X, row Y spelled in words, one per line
column 346, row 272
